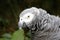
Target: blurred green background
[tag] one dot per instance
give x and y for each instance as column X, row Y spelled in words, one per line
column 10, row 10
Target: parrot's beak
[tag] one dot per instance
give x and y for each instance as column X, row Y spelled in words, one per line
column 20, row 25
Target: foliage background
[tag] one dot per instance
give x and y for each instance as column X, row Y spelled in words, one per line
column 10, row 10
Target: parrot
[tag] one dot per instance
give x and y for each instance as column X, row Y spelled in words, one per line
column 42, row 25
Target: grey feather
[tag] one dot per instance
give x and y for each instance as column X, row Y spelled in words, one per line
column 44, row 26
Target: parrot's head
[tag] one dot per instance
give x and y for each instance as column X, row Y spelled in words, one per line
column 27, row 17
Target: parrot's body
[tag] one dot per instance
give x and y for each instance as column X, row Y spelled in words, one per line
column 43, row 26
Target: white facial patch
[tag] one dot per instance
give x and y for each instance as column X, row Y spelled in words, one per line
column 27, row 18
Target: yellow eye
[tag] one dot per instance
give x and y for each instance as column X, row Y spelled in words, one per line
column 28, row 16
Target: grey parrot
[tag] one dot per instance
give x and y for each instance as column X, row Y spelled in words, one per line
column 42, row 25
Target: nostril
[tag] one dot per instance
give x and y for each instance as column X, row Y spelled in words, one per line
column 59, row 26
column 20, row 19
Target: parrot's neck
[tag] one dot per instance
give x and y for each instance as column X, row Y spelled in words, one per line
column 48, row 25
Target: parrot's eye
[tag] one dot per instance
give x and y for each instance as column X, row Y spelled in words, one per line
column 28, row 16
